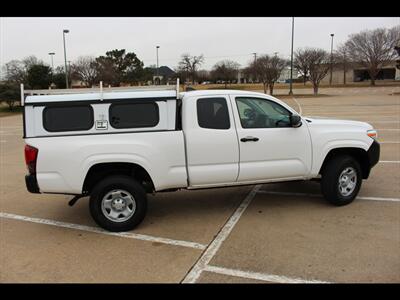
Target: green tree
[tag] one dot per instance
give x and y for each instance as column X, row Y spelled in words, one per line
column 9, row 93
column 39, row 76
column 58, row 78
column 119, row 66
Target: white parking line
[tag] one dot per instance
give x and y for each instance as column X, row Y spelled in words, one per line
column 384, row 121
column 389, row 161
column 258, row 276
column 388, row 129
column 136, row 236
column 319, row 196
column 216, row 243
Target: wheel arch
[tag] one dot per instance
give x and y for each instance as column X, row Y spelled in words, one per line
column 102, row 170
column 359, row 154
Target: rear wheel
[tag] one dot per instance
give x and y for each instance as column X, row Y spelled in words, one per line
column 118, row 203
column 341, row 180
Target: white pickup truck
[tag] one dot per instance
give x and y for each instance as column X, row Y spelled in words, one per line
column 116, row 146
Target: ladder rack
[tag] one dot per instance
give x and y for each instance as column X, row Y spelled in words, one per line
column 100, row 90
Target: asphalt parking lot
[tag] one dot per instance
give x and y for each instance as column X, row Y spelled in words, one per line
column 282, row 232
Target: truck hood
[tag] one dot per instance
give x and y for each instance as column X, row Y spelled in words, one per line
column 337, row 122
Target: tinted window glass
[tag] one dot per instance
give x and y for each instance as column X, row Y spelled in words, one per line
column 261, row 113
column 133, row 115
column 213, row 113
column 68, row 118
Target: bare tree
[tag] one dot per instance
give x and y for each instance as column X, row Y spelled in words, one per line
column 373, row 49
column 226, row 70
column 300, row 63
column 16, row 71
column 190, row 64
column 203, row 75
column 319, row 65
column 84, row 69
column 268, row 69
column 397, row 48
column 341, row 57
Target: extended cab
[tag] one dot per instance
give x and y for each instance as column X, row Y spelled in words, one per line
column 115, row 146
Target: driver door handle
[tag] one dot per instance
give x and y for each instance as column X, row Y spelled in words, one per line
column 249, row 139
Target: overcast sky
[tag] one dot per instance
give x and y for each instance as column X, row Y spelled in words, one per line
column 215, row 38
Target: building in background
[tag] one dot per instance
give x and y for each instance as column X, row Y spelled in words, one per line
column 355, row 72
column 165, row 75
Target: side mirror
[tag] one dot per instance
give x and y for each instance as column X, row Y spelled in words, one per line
column 295, row 121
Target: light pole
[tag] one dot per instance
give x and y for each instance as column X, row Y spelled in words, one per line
column 51, row 55
column 291, row 61
column 330, row 79
column 157, row 47
column 65, row 58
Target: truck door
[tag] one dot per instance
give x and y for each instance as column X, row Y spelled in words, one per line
column 270, row 148
column 212, row 149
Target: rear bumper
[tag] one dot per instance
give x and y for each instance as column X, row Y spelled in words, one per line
column 32, row 184
column 373, row 153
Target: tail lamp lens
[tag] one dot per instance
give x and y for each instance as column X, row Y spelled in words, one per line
column 30, row 158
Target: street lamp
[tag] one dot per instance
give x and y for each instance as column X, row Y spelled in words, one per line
column 291, row 60
column 65, row 58
column 330, row 79
column 157, row 47
column 51, row 55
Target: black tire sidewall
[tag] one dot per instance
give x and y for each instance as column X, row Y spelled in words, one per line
column 118, row 182
column 330, row 180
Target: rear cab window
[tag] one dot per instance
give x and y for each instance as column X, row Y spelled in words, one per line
column 134, row 115
column 213, row 113
column 68, row 118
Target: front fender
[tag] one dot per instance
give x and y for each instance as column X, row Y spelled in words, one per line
column 319, row 156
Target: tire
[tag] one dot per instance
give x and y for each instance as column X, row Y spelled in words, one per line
column 118, row 203
column 337, row 169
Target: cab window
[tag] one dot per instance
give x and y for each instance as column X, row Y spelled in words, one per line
column 212, row 113
column 262, row 113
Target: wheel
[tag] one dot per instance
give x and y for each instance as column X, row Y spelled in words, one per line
column 341, row 180
column 118, row 203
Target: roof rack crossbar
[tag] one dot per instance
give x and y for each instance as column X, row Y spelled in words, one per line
column 100, row 90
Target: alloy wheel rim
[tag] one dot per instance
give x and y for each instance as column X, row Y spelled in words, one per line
column 118, row 205
column 347, row 181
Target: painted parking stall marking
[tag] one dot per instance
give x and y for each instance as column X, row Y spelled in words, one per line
column 319, row 196
column 258, row 276
column 131, row 235
column 213, row 247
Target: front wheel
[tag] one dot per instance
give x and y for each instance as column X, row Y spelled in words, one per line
column 118, row 203
column 341, row 180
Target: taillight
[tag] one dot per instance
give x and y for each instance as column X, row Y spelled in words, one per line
column 30, row 158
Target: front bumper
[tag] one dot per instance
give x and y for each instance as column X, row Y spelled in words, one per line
column 32, row 184
column 373, row 153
